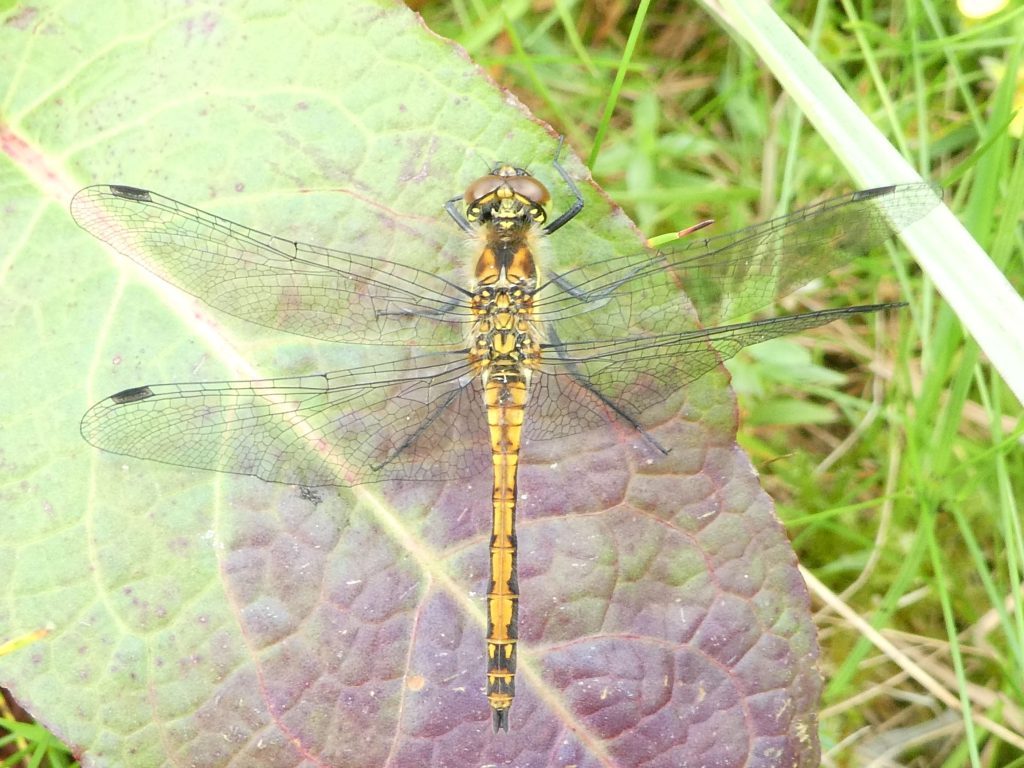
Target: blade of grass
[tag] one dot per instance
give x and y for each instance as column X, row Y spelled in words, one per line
column 942, row 588
column 901, row 659
column 620, row 77
column 979, row 293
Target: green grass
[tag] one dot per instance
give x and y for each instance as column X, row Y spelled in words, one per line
column 22, row 742
column 31, row 744
column 891, row 444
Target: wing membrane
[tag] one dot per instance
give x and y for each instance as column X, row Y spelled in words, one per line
column 729, row 275
column 621, row 337
column 277, row 283
column 413, row 419
column 631, row 375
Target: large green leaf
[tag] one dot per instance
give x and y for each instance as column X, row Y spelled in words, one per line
column 200, row 618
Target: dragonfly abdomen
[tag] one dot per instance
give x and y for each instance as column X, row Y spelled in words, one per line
column 505, row 400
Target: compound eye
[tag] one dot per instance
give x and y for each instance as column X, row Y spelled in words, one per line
column 482, row 187
column 530, row 188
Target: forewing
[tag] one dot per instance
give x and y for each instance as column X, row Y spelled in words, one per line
column 420, row 418
column 277, row 283
column 726, row 276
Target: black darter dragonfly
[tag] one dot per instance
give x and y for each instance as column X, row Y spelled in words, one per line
column 518, row 355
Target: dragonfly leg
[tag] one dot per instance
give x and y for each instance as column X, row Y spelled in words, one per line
column 577, row 205
column 423, row 428
column 592, row 297
column 446, row 312
column 453, row 210
column 580, row 378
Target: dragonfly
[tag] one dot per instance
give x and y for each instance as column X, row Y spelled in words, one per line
column 481, row 368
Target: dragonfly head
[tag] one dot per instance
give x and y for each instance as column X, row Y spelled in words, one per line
column 508, row 197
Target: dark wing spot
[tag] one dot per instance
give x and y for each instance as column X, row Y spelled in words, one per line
column 131, row 193
column 133, row 395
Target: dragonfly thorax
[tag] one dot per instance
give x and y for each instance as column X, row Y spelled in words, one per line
column 505, row 339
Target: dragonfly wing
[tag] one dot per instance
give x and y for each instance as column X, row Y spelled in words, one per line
column 420, row 418
column 729, row 275
column 625, row 379
column 277, row 283
column 563, row 403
